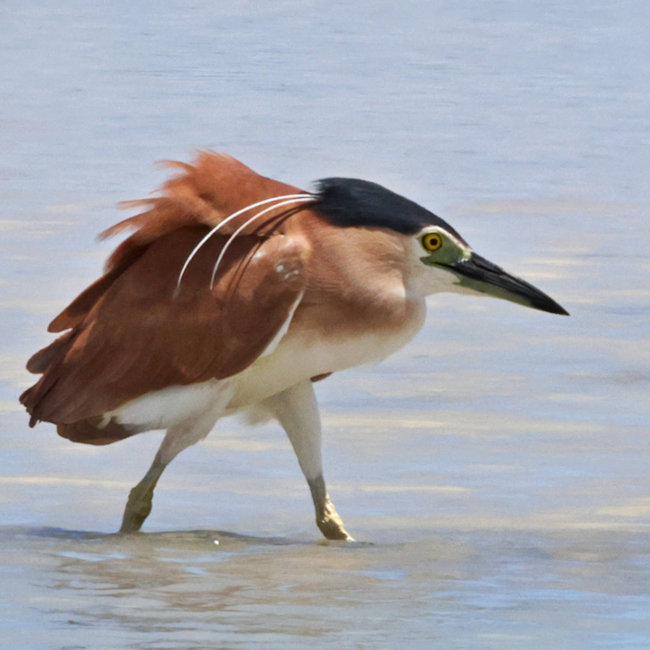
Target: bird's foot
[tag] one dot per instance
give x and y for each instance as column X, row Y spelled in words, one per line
column 138, row 505
column 137, row 509
column 331, row 525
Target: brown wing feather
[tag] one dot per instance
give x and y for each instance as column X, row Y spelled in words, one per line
column 94, row 431
column 128, row 334
column 77, row 310
column 139, row 336
column 206, row 192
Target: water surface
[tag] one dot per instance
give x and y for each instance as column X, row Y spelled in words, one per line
column 495, row 471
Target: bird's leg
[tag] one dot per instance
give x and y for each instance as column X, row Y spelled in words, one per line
column 138, row 505
column 177, row 438
column 297, row 411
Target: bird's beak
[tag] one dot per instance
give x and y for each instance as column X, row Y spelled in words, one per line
column 479, row 274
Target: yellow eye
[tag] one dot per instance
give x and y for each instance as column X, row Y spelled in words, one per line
column 431, row 242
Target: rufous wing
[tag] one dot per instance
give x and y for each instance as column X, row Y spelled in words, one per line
column 138, row 332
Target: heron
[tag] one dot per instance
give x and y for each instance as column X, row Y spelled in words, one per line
column 234, row 293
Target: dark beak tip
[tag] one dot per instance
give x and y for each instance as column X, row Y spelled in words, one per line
column 552, row 308
column 479, row 271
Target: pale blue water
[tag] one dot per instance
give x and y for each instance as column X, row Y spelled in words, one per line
column 499, row 464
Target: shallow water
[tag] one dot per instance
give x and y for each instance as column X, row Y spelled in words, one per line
column 461, row 589
column 495, row 471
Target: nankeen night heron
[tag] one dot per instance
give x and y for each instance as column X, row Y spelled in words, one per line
column 234, row 294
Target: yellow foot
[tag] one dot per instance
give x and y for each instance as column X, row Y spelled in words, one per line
column 140, row 499
column 132, row 522
column 137, row 510
column 331, row 525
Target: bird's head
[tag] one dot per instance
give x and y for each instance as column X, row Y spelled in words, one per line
column 441, row 259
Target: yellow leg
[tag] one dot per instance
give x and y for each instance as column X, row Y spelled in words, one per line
column 179, row 437
column 297, row 411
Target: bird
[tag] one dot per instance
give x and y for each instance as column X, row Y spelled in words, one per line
column 235, row 293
